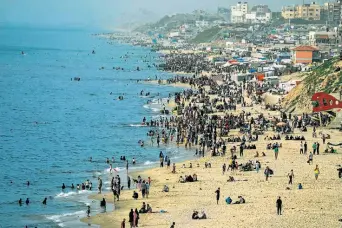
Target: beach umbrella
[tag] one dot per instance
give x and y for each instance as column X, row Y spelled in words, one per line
column 281, row 124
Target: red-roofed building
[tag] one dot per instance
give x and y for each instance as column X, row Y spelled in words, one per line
column 305, row 54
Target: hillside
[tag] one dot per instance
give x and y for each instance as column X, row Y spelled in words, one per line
column 207, row 35
column 322, row 79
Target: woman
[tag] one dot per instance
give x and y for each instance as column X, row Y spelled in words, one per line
column 135, row 218
column 276, row 151
column 317, row 172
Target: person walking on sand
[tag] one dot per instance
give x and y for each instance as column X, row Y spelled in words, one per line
column 123, row 223
column 267, row 172
column 131, row 218
column 301, row 151
column 223, row 168
column 291, row 176
column 305, row 147
column 136, row 217
column 217, row 195
column 279, row 205
column 276, row 152
column 310, row 161
column 317, row 172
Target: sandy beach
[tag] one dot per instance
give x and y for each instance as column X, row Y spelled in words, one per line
column 318, row 204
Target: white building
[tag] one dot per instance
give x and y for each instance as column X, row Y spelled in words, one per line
column 238, row 12
column 202, row 24
column 323, row 38
column 259, row 14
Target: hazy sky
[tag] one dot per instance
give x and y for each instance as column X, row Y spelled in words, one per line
column 107, row 13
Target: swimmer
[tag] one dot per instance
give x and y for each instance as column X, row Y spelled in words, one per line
column 133, row 161
column 63, row 186
column 44, row 201
column 110, row 168
column 72, row 186
column 28, row 183
column 91, row 159
column 113, row 160
column 107, row 160
column 20, row 202
column 27, row 201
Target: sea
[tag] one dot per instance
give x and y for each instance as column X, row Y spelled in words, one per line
column 51, row 124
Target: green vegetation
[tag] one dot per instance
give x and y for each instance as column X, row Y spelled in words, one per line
column 207, row 35
column 322, row 79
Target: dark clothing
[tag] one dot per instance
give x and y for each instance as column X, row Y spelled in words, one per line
column 279, row 205
column 217, row 195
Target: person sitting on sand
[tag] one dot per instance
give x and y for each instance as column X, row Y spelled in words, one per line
column 135, row 195
column 183, row 166
column 240, row 201
column 143, row 208
column 190, row 166
column 194, row 177
column 231, row 179
column 256, row 154
column 181, row 179
column 203, row 216
column 263, row 154
column 165, row 189
column 195, row 215
column 148, row 209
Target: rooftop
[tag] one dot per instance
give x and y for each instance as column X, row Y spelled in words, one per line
column 305, row 48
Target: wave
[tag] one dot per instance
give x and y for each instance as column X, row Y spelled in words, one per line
column 137, row 125
column 62, row 217
column 155, row 109
column 68, row 194
column 150, row 163
column 146, row 106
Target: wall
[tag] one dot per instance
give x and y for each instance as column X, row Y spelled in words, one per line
column 303, row 57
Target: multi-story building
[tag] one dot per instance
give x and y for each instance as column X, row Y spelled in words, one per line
column 259, row 14
column 310, row 11
column 238, row 12
column 324, row 38
column 332, row 12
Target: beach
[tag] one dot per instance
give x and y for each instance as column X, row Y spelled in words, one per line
column 315, row 205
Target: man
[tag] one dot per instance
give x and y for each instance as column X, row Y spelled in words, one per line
column 314, row 147
column 305, row 148
column 131, row 218
column 317, row 144
column 217, row 195
column 291, row 176
column 301, row 148
column 100, row 185
column 279, row 205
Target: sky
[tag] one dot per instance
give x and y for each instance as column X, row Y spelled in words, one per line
column 108, row 13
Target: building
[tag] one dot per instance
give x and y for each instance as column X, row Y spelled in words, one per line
column 238, row 12
column 202, row 24
column 324, row 38
column 305, row 54
column 310, row 11
column 331, row 12
column 259, row 14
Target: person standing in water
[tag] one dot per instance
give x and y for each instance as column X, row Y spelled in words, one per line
column 88, row 211
column 44, row 201
column 100, row 185
column 217, row 195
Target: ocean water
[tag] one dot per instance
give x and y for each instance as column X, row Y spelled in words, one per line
column 50, row 125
